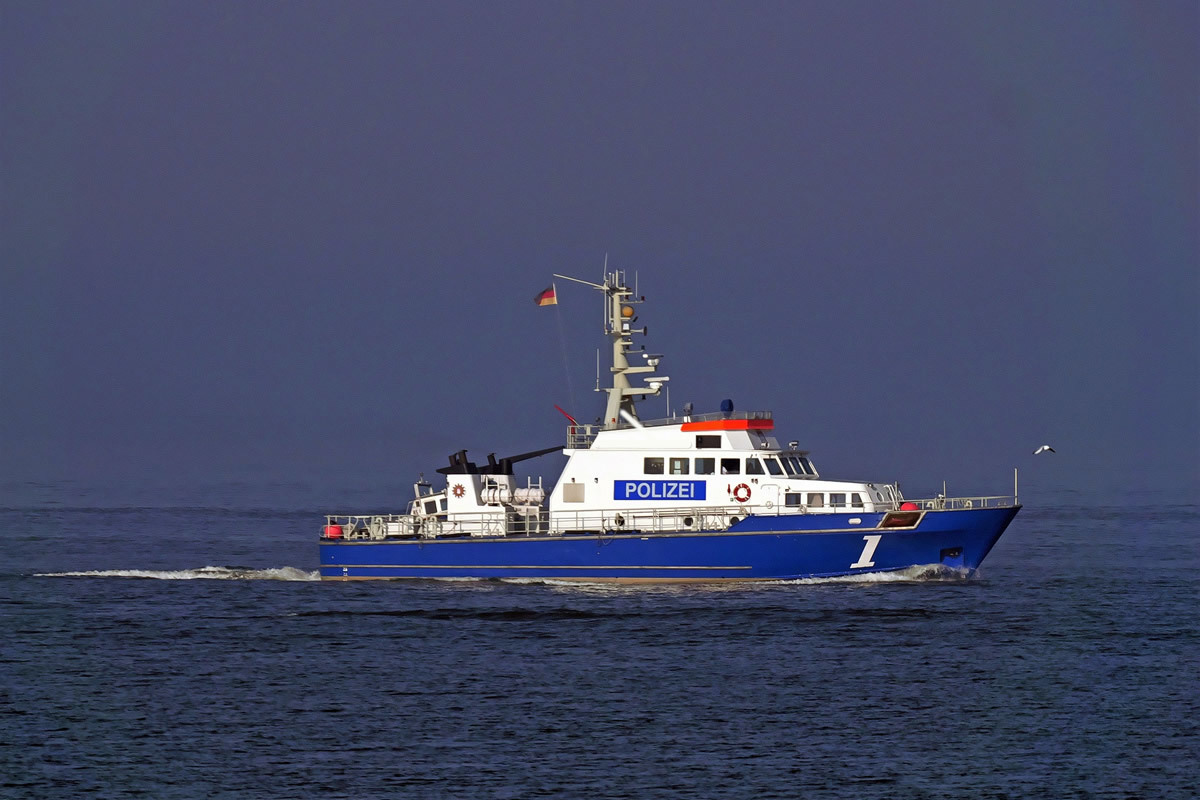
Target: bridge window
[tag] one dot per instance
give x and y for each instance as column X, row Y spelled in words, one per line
column 653, row 466
column 754, row 466
column 731, row 466
column 679, row 466
column 808, row 467
column 773, row 466
column 711, row 442
column 706, row 466
column 787, row 465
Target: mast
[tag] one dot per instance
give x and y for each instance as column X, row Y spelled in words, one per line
column 619, row 318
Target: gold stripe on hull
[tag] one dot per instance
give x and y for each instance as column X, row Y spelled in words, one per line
column 551, row 578
column 510, row 566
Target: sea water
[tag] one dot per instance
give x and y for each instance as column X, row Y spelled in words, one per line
column 178, row 644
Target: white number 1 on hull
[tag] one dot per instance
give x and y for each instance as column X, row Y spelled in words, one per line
column 864, row 560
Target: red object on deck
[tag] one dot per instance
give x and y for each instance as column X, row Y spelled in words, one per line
column 909, row 507
column 333, row 531
column 565, row 414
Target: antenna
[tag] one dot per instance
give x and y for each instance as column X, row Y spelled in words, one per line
column 597, row 369
column 606, row 315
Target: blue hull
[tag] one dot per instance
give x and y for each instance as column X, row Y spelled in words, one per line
column 756, row 548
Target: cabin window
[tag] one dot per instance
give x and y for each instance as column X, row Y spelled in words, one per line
column 856, row 500
column 731, row 466
column 679, row 466
column 773, row 466
column 787, row 465
column 808, row 467
column 754, row 466
column 431, row 507
column 711, row 442
column 793, row 499
column 706, row 466
column 653, row 465
column 816, row 499
column 837, row 499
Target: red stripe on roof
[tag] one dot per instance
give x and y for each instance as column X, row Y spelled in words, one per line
column 730, row 425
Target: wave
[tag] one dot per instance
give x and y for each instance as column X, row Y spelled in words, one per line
column 203, row 573
column 441, row 614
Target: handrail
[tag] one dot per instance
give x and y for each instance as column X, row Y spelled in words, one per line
column 649, row 519
column 382, row 526
column 963, row 503
column 581, row 436
column 654, row 520
column 717, row 415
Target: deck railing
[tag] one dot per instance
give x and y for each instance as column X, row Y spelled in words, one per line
column 963, row 503
column 580, row 437
column 707, row 518
column 383, row 526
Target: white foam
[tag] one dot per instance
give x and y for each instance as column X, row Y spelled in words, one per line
column 909, row 575
column 203, row 573
column 918, row 574
column 927, row 573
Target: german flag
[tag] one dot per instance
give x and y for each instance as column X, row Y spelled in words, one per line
column 546, row 297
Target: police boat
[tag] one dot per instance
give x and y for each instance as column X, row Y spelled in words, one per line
column 695, row 497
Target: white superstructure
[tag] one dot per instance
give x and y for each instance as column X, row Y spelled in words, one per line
column 691, row 472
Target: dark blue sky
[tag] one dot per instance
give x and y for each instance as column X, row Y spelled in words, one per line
column 305, row 237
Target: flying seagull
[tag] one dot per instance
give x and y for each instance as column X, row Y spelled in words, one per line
column 1044, row 449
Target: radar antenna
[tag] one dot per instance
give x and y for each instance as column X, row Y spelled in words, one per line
column 619, row 317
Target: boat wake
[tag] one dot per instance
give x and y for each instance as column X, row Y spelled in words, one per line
column 925, row 573
column 922, row 573
column 203, row 573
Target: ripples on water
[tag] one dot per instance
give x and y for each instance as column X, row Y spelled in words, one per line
column 1065, row 669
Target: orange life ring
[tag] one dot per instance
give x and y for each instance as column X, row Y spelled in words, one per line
column 741, row 493
column 459, row 491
